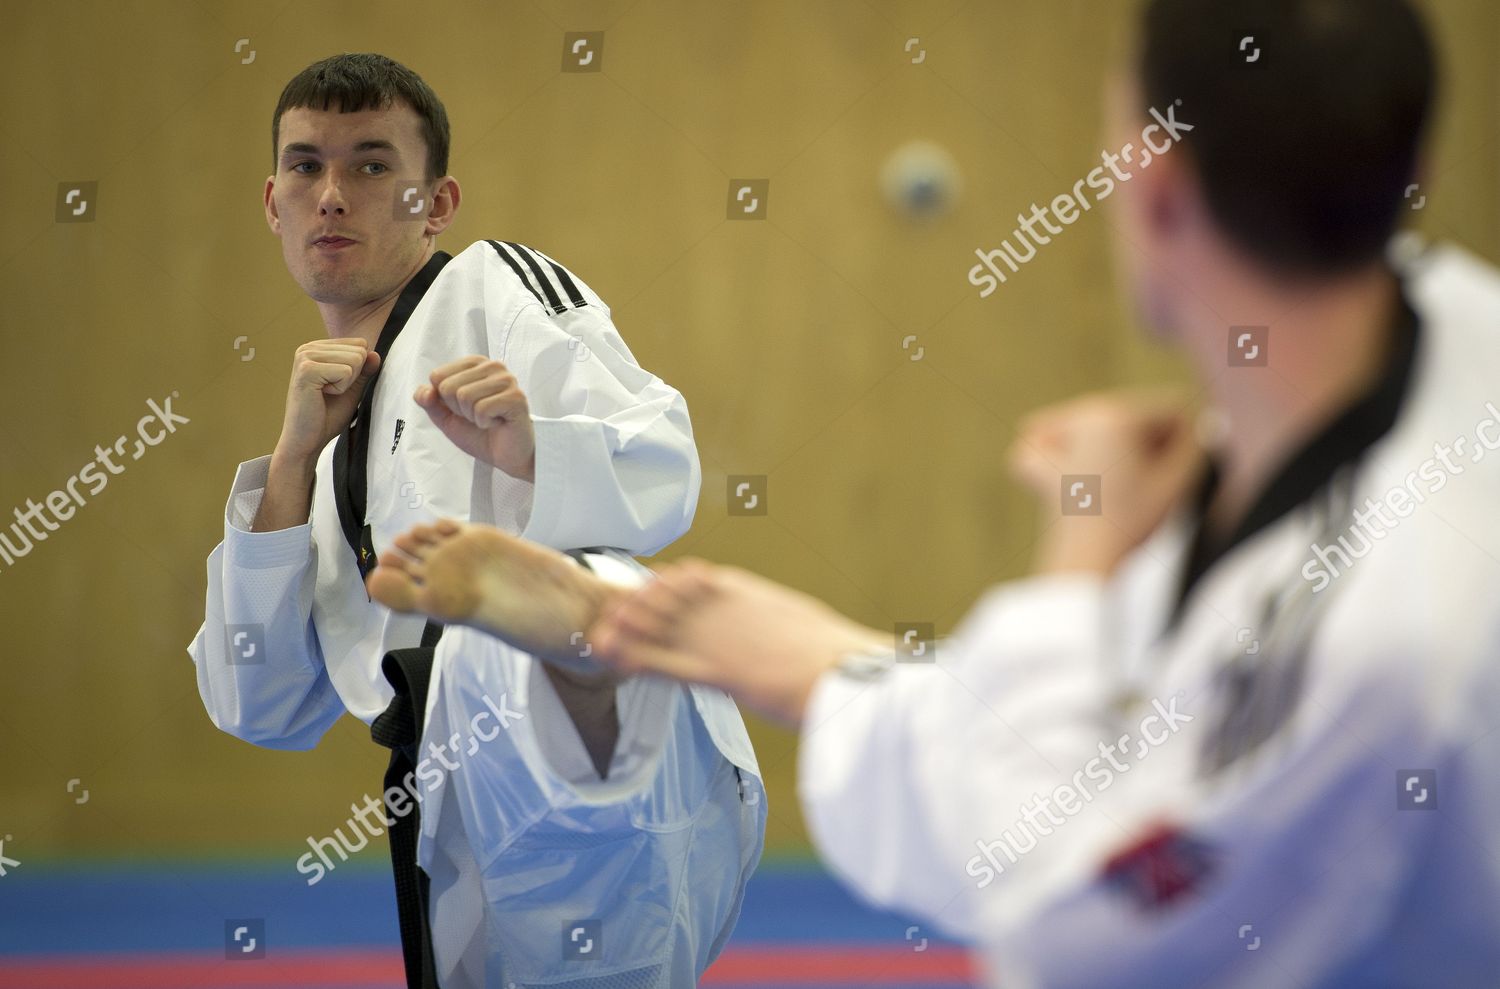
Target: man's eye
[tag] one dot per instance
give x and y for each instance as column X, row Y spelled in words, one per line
column 299, row 165
column 377, row 164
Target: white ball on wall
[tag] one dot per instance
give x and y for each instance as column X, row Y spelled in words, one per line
column 920, row 180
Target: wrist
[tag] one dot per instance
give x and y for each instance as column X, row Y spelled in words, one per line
column 294, row 467
column 1091, row 548
column 527, row 472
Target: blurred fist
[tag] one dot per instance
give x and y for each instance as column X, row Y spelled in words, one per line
column 328, row 378
column 478, row 404
column 1145, row 450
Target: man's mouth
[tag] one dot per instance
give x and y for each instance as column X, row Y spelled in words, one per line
column 332, row 242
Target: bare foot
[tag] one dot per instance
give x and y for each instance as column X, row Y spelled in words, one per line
column 764, row 643
column 532, row 597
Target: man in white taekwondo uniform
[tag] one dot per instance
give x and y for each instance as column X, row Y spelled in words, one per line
column 552, row 805
column 1243, row 739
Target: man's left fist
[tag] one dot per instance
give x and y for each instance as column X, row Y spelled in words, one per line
column 478, row 404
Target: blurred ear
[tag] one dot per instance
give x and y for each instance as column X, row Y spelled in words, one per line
column 1169, row 196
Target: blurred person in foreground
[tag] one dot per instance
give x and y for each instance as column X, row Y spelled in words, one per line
column 1238, row 727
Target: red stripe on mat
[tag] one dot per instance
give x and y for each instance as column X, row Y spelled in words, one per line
column 310, row 969
column 849, row 965
column 766, row 965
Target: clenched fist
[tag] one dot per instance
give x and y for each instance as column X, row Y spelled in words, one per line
column 328, row 378
column 478, row 404
column 1145, row 450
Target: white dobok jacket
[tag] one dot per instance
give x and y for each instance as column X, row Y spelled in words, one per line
column 522, row 838
column 1289, row 781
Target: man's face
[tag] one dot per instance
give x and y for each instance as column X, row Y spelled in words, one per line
column 340, row 174
column 1135, row 243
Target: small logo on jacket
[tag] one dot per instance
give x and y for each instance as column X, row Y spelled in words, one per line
column 400, row 427
column 1164, row 864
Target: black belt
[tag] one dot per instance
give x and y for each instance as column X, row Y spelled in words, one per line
column 399, row 728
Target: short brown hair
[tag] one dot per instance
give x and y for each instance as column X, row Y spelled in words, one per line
column 357, row 81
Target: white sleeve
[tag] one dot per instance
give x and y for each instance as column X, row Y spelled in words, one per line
column 615, row 460
column 916, row 789
column 884, row 765
column 260, row 667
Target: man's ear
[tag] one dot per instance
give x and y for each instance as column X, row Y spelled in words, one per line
column 446, row 196
column 273, row 219
column 1170, row 185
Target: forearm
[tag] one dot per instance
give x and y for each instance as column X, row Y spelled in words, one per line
column 259, row 665
column 287, row 501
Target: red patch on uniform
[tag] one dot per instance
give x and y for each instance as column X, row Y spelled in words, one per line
column 1160, row 867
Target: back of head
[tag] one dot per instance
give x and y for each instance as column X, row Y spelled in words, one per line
column 1306, row 135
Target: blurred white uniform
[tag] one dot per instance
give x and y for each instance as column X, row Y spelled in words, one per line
column 291, row 640
column 1301, row 785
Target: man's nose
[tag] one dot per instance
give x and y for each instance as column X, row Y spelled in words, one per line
column 331, row 198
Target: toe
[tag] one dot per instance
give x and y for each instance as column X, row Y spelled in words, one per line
column 408, row 543
column 392, row 587
column 393, row 560
column 425, row 535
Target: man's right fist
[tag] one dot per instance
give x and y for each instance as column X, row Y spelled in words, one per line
column 328, row 378
column 1142, row 446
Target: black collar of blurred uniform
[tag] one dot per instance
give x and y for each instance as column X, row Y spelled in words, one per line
column 1341, row 442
